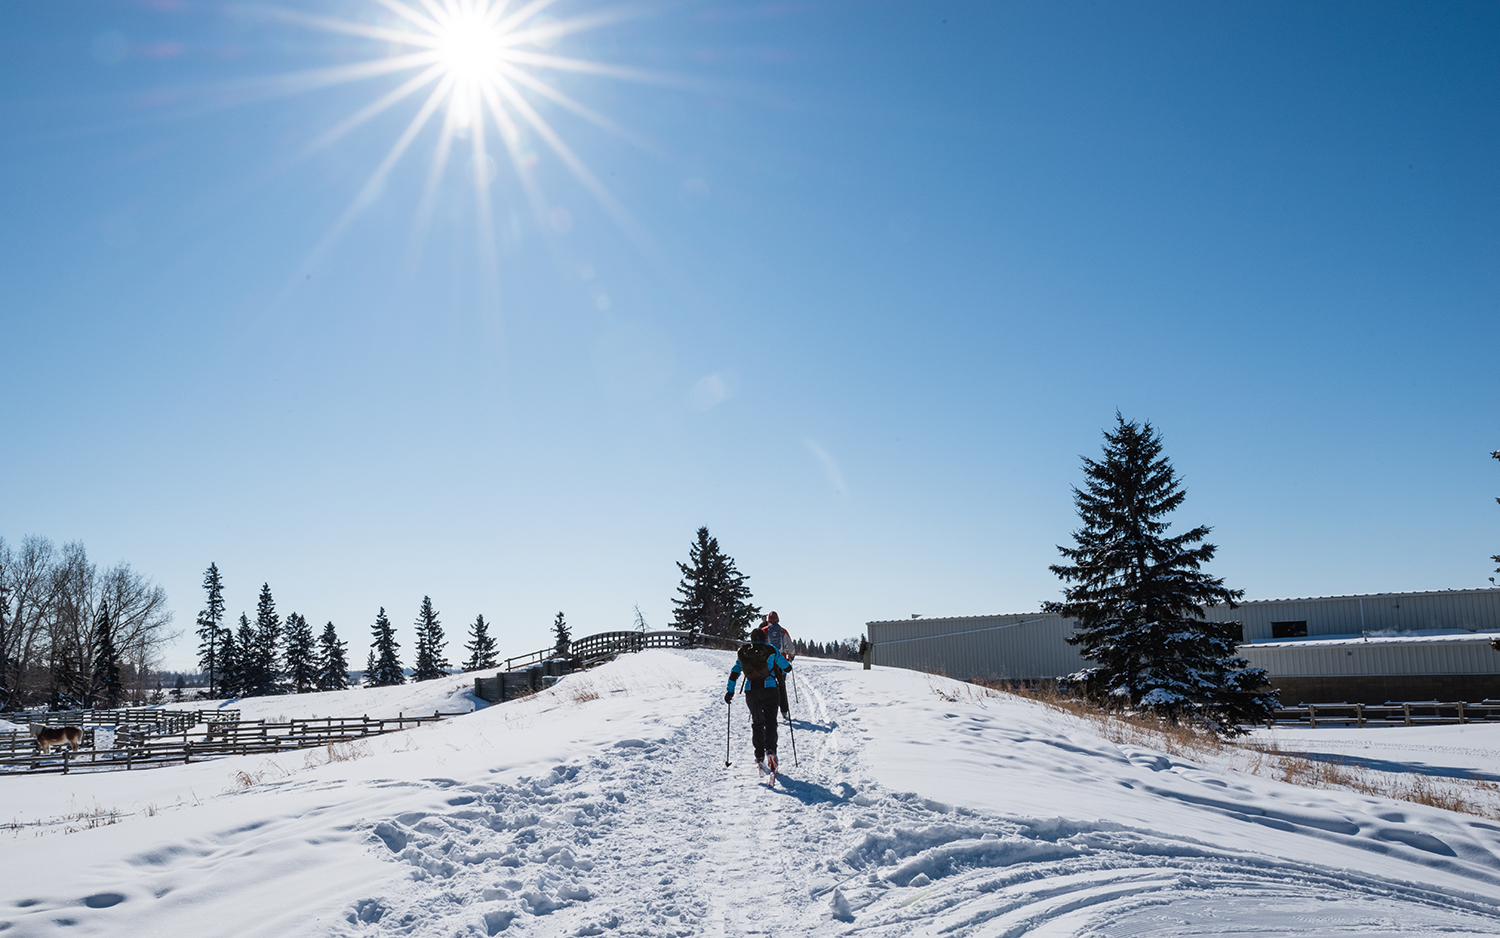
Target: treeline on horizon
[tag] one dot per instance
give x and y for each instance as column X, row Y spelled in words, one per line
column 271, row 655
column 75, row 637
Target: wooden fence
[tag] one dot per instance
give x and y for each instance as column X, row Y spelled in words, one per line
column 1403, row 713
column 218, row 739
column 150, row 720
column 14, row 743
column 586, row 652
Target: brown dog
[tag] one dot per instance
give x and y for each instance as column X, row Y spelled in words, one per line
column 49, row 736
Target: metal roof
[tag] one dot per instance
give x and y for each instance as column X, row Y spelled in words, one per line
column 1243, row 602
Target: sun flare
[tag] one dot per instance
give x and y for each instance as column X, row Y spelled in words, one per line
column 478, row 69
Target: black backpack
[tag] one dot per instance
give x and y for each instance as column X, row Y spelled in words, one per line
column 755, row 659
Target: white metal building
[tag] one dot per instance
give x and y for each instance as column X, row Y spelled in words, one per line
column 1370, row 648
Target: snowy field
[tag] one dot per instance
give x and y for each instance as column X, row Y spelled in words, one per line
column 603, row 807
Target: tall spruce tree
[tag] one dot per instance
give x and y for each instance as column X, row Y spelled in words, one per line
column 1138, row 595
column 301, row 663
column 267, row 646
column 384, row 668
column 481, row 646
column 715, row 600
column 333, row 666
column 562, row 638
column 211, row 629
column 105, row 687
column 430, row 662
column 248, row 675
column 229, row 661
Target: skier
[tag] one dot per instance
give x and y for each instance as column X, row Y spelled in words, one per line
column 759, row 662
column 779, row 639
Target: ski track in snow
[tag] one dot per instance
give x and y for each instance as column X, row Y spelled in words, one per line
column 579, row 852
column 653, row 836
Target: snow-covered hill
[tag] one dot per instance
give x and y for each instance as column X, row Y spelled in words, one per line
column 603, row 807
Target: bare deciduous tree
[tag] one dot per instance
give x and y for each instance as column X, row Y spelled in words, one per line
column 48, row 641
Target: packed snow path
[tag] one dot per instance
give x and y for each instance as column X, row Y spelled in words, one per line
column 1046, row 831
column 659, row 838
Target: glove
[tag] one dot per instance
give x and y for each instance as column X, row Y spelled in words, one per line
column 787, row 714
column 729, row 696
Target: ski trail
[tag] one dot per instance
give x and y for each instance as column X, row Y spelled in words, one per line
column 655, row 837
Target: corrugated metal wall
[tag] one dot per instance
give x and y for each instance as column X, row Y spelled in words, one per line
column 1351, row 658
column 1470, row 610
column 1029, row 646
column 992, row 647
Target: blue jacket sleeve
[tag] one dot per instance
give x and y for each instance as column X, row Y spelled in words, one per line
column 734, row 677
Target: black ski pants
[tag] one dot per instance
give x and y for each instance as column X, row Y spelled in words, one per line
column 763, row 703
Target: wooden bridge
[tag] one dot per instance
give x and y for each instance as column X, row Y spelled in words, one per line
column 535, row 670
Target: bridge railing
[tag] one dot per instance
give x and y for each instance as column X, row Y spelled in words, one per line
column 526, row 674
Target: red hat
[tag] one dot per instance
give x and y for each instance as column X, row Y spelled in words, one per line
column 774, row 617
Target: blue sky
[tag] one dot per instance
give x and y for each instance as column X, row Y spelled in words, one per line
column 887, row 270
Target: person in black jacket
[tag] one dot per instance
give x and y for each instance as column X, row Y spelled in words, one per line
column 760, row 663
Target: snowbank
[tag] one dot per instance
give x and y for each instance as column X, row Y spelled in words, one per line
column 914, row 805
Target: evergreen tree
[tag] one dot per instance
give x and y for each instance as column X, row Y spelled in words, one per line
column 481, row 646
column 266, row 648
column 1138, row 595
column 211, row 629
column 178, row 688
column 301, row 667
column 715, row 600
column 246, row 675
column 333, row 666
column 384, row 669
column 562, row 635
column 229, row 662
column 430, row 662
column 105, row 688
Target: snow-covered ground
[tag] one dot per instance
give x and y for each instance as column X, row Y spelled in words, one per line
column 916, row 806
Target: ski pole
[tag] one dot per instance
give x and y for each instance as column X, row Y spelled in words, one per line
column 793, row 730
column 728, row 722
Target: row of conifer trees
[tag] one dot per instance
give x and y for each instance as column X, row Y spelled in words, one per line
column 272, row 655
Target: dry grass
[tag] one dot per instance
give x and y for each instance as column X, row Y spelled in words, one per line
column 955, row 691
column 580, row 693
column 244, row 778
column 337, row 752
column 1465, row 795
column 70, row 823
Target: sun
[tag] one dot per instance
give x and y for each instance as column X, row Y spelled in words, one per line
column 478, row 69
column 469, row 48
